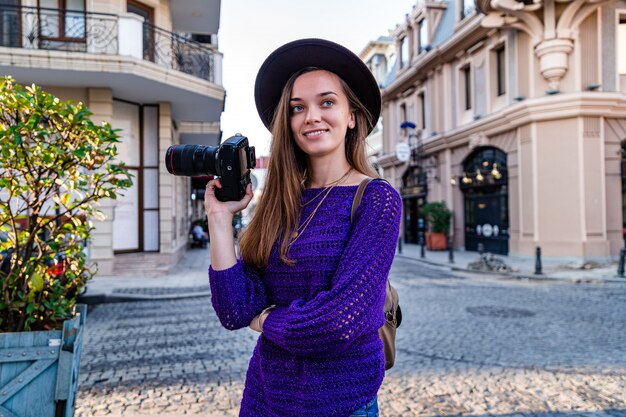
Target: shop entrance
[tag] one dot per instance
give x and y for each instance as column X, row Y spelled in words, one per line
column 484, row 185
column 414, row 192
column 623, row 166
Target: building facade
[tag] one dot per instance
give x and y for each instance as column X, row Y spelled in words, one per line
column 152, row 69
column 380, row 58
column 515, row 115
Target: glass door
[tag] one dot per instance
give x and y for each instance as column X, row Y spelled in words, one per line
column 485, row 190
column 148, row 27
column 10, row 23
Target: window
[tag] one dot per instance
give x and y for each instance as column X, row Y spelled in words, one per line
column 621, row 45
column 201, row 38
column 422, row 104
column 9, row 23
column 423, row 36
column 378, row 66
column 467, row 7
column 393, row 62
column 62, row 19
column 466, row 77
column 500, row 70
column 404, row 52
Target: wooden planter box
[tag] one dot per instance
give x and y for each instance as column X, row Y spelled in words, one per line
column 39, row 370
column 436, row 241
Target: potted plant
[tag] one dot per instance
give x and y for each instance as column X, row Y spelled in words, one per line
column 55, row 164
column 438, row 217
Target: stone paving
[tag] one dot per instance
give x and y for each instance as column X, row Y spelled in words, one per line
column 469, row 345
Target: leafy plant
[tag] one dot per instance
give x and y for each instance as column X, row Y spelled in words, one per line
column 438, row 216
column 55, row 164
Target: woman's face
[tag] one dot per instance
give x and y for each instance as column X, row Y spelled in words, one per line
column 320, row 114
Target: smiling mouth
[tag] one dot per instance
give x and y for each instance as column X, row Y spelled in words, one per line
column 314, row 133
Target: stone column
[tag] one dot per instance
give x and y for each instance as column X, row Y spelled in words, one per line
column 100, row 103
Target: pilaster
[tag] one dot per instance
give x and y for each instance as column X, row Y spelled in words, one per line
column 100, row 103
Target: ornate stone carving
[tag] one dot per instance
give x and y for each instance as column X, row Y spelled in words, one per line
column 551, row 32
column 477, row 139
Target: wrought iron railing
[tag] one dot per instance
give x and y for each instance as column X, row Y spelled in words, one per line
column 54, row 29
column 98, row 33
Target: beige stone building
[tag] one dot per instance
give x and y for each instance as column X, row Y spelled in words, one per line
column 151, row 68
column 515, row 112
column 379, row 56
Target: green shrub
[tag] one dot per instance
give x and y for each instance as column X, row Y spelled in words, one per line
column 55, row 164
column 438, row 216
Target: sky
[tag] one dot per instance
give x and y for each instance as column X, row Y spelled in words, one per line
column 251, row 29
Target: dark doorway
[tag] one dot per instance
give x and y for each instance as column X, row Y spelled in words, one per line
column 484, row 185
column 414, row 190
column 623, row 165
column 413, row 220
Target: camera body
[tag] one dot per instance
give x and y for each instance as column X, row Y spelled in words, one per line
column 231, row 161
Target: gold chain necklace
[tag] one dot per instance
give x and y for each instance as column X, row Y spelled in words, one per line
column 308, row 220
column 325, row 187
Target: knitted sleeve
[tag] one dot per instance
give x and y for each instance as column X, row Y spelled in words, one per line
column 237, row 295
column 333, row 319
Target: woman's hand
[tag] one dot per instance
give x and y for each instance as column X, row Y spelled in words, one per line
column 257, row 322
column 212, row 206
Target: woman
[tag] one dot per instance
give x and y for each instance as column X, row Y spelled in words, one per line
column 311, row 279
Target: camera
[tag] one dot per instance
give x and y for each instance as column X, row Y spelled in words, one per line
column 231, row 161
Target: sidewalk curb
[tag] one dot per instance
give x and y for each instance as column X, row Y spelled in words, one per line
column 516, row 275
column 129, row 298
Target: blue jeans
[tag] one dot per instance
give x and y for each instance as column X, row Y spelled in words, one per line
column 368, row 410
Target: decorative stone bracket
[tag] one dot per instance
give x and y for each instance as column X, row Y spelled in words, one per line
column 551, row 31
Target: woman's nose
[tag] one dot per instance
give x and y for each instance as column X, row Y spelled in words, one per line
column 312, row 115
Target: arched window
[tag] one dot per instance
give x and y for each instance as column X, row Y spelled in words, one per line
column 485, row 166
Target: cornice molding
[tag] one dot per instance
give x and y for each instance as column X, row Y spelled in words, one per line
column 559, row 107
column 389, row 160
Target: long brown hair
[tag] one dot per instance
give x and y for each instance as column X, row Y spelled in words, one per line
column 276, row 216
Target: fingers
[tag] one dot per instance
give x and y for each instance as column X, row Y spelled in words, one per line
column 209, row 194
column 210, row 198
column 210, row 186
column 248, row 197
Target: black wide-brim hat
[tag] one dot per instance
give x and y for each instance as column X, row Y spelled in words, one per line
column 294, row 56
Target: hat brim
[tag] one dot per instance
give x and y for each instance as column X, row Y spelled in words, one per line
column 294, row 56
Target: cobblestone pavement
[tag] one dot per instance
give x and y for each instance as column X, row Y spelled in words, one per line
column 468, row 345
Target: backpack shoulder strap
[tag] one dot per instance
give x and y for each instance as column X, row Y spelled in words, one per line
column 358, row 196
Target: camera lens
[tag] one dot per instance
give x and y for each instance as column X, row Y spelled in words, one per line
column 192, row 160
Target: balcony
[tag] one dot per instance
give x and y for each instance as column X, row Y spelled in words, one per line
column 140, row 62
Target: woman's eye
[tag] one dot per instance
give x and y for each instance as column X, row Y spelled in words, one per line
column 327, row 103
column 296, row 109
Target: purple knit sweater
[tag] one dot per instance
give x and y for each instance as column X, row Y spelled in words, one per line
column 319, row 353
